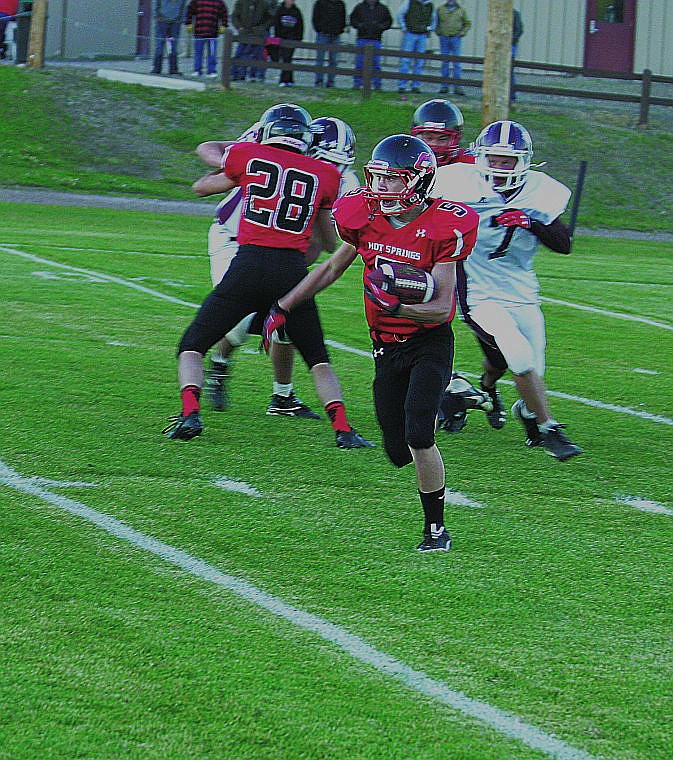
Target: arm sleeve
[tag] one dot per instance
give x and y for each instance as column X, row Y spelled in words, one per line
column 555, row 236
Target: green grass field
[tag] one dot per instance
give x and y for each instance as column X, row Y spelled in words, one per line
column 546, row 631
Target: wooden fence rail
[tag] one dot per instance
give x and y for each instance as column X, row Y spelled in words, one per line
column 644, row 99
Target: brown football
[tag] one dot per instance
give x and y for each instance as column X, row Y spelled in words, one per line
column 409, row 283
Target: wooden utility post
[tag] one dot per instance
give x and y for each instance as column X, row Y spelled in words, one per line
column 38, row 26
column 497, row 61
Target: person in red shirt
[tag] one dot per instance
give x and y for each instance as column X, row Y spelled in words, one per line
column 393, row 219
column 286, row 197
column 207, row 18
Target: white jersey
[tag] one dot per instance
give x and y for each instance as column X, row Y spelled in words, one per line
column 497, row 269
column 349, row 182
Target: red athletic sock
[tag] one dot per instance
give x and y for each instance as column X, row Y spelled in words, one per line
column 190, row 395
column 336, row 411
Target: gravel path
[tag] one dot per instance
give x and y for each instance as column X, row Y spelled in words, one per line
column 206, row 208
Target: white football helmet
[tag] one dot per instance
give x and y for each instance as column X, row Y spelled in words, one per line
column 503, row 138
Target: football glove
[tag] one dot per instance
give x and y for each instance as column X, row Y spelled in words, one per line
column 275, row 320
column 512, row 218
column 384, row 300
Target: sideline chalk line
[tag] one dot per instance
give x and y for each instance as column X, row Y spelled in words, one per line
column 359, row 352
column 506, row 723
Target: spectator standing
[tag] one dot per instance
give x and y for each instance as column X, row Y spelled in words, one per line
column 252, row 18
column 329, row 22
column 453, row 24
column 8, row 9
column 169, row 15
column 416, row 18
column 369, row 18
column 207, row 18
column 517, row 31
column 288, row 24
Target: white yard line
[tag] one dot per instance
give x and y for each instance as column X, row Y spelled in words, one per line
column 645, row 505
column 507, row 724
column 607, row 313
column 359, row 352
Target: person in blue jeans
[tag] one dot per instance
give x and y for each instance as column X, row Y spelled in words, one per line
column 206, row 18
column 416, row 18
column 252, row 18
column 329, row 22
column 517, row 31
column 369, row 18
column 169, row 15
column 453, row 24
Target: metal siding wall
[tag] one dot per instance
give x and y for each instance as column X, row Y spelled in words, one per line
column 654, row 27
column 92, row 28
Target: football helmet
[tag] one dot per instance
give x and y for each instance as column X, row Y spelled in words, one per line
column 286, row 125
column 332, row 140
column 440, row 117
column 503, row 138
column 405, row 158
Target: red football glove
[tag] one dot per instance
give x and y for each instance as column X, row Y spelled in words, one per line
column 513, row 218
column 384, row 300
column 275, row 320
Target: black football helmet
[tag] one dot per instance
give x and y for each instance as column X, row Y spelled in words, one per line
column 332, row 140
column 286, row 125
column 401, row 157
column 503, row 138
column 440, row 117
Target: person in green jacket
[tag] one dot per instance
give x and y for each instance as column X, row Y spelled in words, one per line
column 453, row 24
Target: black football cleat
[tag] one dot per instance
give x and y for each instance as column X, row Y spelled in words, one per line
column 441, row 543
column 291, row 406
column 351, row 439
column 184, row 428
column 534, row 435
column 497, row 416
column 556, row 444
column 215, row 386
column 474, row 398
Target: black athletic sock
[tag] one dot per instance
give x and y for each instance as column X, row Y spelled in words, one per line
column 433, row 507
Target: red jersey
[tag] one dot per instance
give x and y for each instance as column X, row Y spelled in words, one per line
column 463, row 157
column 444, row 232
column 282, row 193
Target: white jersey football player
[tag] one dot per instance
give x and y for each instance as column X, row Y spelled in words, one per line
column 333, row 141
column 498, row 290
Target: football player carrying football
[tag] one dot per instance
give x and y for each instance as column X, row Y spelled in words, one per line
column 498, row 291
column 393, row 219
column 286, row 194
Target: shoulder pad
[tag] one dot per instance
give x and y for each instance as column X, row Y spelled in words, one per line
column 351, row 211
column 449, row 217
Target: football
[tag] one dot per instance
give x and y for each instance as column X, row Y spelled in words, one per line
column 409, row 283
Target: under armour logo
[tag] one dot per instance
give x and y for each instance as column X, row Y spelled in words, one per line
column 377, row 352
column 421, row 233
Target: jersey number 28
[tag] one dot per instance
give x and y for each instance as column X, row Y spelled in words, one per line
column 292, row 189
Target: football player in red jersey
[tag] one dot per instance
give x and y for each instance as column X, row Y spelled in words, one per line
column 439, row 123
column 393, row 219
column 286, row 194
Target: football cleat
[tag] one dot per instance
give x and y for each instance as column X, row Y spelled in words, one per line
column 291, row 406
column 351, row 439
column 442, row 543
column 497, row 416
column 474, row 398
column 534, row 435
column 184, row 428
column 556, row 444
column 215, row 386
column 451, row 416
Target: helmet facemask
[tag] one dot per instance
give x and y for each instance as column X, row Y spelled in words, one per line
column 447, row 151
column 505, row 138
column 404, row 158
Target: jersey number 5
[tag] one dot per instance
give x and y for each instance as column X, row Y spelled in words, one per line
column 292, row 189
